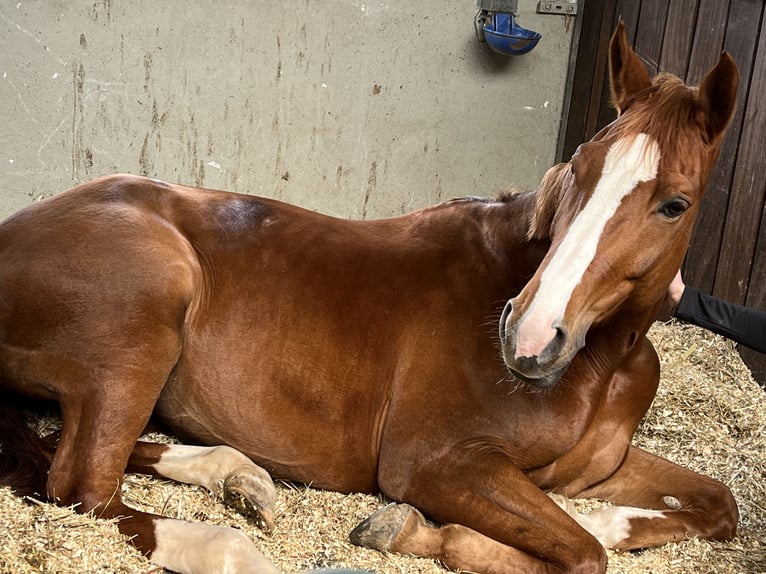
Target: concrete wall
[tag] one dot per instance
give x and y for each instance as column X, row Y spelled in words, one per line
column 355, row 108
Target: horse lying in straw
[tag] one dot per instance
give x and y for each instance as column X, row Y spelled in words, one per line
column 463, row 359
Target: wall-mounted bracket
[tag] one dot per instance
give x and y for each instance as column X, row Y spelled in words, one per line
column 565, row 7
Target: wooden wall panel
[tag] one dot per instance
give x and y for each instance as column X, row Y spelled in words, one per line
column 650, row 32
column 601, row 89
column 702, row 259
column 708, row 37
column 583, row 78
column 679, row 33
column 627, row 11
column 756, row 292
column 743, row 218
column 604, row 113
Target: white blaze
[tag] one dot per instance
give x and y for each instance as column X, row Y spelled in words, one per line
column 629, row 161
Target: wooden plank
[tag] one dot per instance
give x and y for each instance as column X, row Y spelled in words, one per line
column 582, row 82
column 679, row 32
column 650, row 32
column 600, row 87
column 748, row 189
column 756, row 298
column 708, row 38
column 756, row 293
column 567, row 103
column 756, row 362
column 702, row 259
column 627, row 11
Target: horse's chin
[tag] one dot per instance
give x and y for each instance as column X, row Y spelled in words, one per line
column 542, row 382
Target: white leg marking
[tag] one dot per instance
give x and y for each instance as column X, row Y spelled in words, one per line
column 228, row 474
column 610, row 525
column 204, row 549
column 205, row 466
column 628, row 162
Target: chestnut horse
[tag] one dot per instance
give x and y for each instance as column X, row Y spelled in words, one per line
column 366, row 355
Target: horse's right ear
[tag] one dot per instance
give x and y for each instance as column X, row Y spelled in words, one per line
column 627, row 73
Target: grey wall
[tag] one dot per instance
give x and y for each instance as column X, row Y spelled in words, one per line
column 355, row 108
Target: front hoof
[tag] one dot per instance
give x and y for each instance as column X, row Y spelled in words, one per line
column 380, row 530
column 253, row 495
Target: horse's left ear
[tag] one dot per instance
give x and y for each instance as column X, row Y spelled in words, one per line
column 627, row 73
column 718, row 94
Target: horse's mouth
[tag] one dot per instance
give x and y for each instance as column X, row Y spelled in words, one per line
column 542, row 382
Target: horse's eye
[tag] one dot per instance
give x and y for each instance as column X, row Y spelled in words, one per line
column 674, row 208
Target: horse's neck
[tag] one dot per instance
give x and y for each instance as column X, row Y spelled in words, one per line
column 610, row 342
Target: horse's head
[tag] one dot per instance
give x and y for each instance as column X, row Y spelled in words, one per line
column 619, row 214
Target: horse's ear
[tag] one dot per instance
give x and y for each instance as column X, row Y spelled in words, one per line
column 627, row 73
column 718, row 94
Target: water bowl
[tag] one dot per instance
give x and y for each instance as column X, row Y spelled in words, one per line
column 505, row 36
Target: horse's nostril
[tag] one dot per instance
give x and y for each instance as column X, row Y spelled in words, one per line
column 503, row 327
column 559, row 340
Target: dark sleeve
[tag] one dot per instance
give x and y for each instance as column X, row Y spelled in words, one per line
column 738, row 323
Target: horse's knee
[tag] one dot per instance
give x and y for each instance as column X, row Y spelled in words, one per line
column 588, row 558
column 722, row 513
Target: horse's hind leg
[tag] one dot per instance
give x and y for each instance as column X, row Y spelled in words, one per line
column 657, row 501
column 102, row 417
column 222, row 470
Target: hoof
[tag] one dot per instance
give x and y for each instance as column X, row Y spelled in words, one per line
column 252, row 495
column 380, row 530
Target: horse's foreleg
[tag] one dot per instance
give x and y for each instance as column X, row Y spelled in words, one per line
column 496, row 520
column 657, row 501
column 225, row 472
column 402, row 529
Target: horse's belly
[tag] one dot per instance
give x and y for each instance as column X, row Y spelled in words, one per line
column 294, row 431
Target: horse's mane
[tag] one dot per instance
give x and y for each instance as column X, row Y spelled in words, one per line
column 546, row 201
column 505, row 196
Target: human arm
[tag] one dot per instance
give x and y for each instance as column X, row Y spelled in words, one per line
column 736, row 322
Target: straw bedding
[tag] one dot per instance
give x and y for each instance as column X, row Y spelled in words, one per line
column 709, row 415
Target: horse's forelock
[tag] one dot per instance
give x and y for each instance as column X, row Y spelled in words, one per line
column 668, row 112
